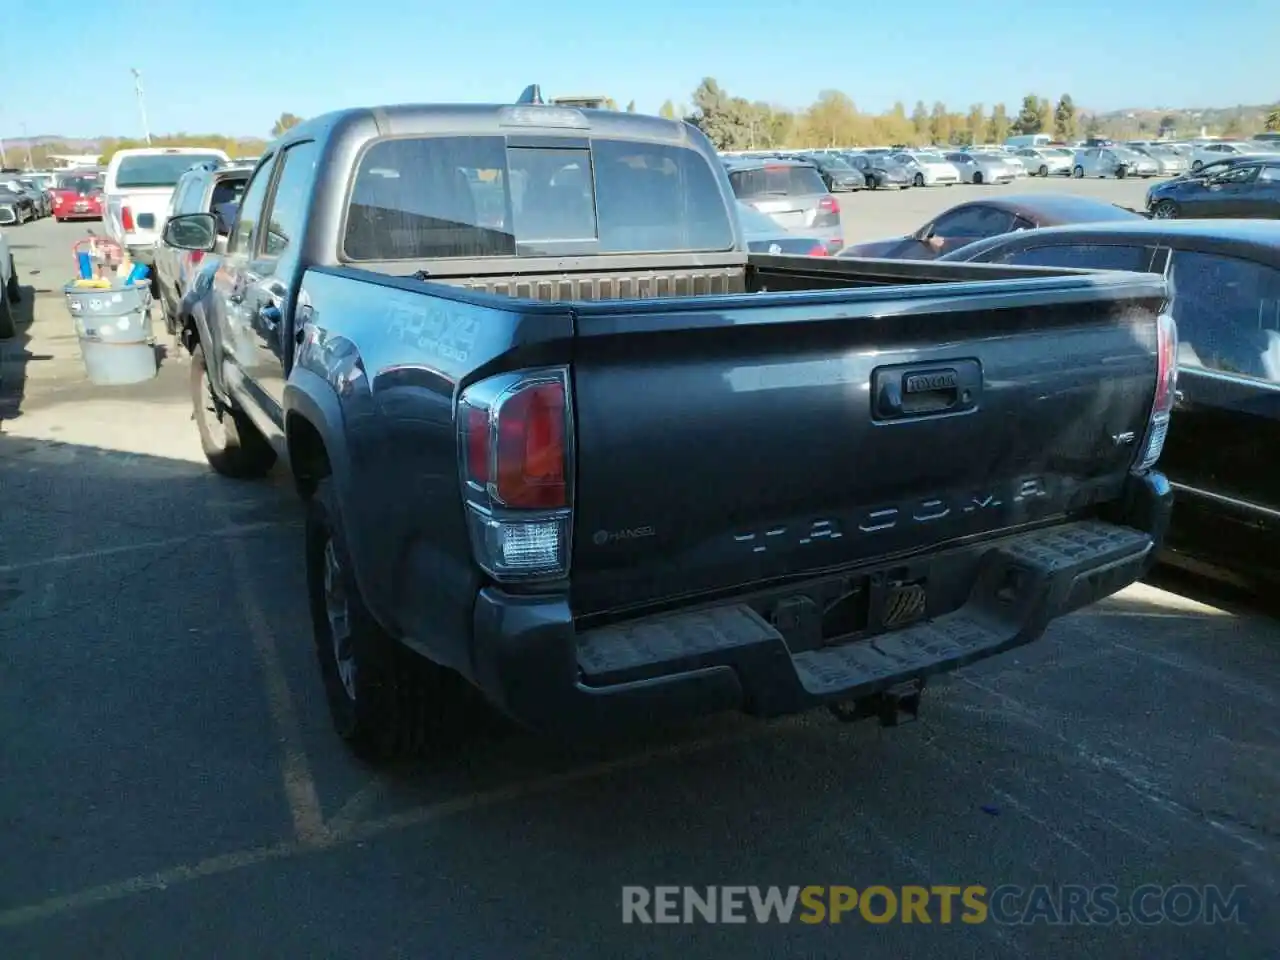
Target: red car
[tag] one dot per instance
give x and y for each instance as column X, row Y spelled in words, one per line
column 77, row 196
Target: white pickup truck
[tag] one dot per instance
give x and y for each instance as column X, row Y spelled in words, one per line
column 137, row 190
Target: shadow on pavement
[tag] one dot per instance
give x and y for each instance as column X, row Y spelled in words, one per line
column 14, row 357
column 147, row 608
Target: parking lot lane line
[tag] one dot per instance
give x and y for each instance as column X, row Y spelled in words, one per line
column 299, row 784
column 123, row 889
column 357, row 806
column 59, row 559
column 229, row 862
column 427, row 813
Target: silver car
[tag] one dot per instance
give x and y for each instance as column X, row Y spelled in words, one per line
column 791, row 193
column 981, row 167
column 1046, row 161
column 1112, row 162
column 929, row 169
column 1168, row 163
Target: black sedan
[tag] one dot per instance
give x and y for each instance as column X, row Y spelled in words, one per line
column 880, row 170
column 835, row 172
column 16, row 205
column 1225, row 423
column 1249, row 188
column 978, row 219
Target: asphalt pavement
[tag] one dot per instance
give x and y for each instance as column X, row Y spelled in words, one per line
column 172, row 787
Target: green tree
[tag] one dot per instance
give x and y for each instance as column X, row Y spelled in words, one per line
column 998, row 126
column 1064, row 118
column 631, row 106
column 920, row 120
column 1093, row 126
column 1044, row 112
column 668, row 110
column 731, row 123
column 610, row 104
column 1273, row 119
column 939, row 123
column 1234, row 126
column 832, row 121
column 287, row 121
column 1028, row 119
column 976, row 123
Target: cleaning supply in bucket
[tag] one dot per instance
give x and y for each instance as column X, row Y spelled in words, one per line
column 137, row 274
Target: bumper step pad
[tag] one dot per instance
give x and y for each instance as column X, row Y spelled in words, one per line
column 1050, row 572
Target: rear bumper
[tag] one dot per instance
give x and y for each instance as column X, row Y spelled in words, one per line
column 530, row 661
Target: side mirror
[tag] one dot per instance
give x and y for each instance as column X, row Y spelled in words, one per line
column 192, row 231
column 924, row 234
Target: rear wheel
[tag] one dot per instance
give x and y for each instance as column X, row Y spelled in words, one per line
column 385, row 701
column 1122, row 172
column 232, row 444
column 1197, row 165
column 1044, row 170
column 977, row 178
column 918, row 180
column 8, row 324
column 1078, row 173
column 1165, row 210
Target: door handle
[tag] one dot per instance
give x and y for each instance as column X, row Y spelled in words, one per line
column 237, row 298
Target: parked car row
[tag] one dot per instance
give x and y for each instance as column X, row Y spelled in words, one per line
column 62, row 194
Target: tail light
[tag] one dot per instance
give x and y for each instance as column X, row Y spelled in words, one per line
column 196, row 257
column 819, row 251
column 515, row 435
column 126, row 219
column 829, row 205
column 1166, row 390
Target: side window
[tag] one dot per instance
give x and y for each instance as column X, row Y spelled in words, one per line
column 1269, row 174
column 1241, row 174
column 975, row 221
column 1088, row 256
column 288, row 211
column 182, row 196
column 251, row 209
column 1228, row 314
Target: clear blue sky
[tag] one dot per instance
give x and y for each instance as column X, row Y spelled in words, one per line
column 232, row 66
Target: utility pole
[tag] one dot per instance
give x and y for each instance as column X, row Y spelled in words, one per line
column 27, row 141
column 142, row 103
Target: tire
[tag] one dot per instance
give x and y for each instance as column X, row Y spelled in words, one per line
column 232, row 444
column 59, row 219
column 1122, row 172
column 977, row 179
column 1196, row 165
column 1165, row 210
column 1078, row 172
column 8, row 323
column 1044, row 170
column 918, row 180
column 12, row 290
column 385, row 701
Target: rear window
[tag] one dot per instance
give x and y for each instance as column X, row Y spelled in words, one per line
column 425, row 198
column 780, row 181
column 80, row 184
column 158, row 170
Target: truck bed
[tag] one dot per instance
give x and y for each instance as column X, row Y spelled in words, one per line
column 760, row 273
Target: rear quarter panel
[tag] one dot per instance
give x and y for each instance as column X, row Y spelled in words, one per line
column 383, row 359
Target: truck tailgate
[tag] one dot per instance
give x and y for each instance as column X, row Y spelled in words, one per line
column 743, row 440
column 147, row 206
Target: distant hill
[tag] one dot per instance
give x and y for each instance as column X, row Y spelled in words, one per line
column 1240, row 121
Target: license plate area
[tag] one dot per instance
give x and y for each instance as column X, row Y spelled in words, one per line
column 845, row 609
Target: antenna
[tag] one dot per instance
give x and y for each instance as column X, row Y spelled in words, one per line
column 532, row 94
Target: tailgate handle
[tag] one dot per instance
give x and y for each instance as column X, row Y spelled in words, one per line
column 906, row 391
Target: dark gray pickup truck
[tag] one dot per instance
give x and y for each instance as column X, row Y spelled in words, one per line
column 561, row 437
